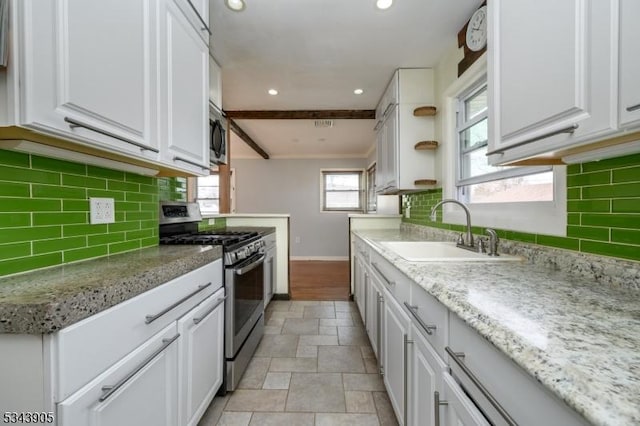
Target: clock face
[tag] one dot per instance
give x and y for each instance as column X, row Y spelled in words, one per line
column 477, row 30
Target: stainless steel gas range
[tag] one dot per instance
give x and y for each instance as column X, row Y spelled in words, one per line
column 243, row 281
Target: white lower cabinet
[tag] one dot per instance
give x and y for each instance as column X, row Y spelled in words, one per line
column 373, row 320
column 359, row 286
column 395, row 337
column 200, row 357
column 457, row 409
column 140, row 389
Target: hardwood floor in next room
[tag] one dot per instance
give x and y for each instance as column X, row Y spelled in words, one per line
column 319, row 280
column 313, row 367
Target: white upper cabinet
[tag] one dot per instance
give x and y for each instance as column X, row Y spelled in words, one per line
column 87, row 72
column 629, row 102
column 197, row 12
column 184, row 98
column 400, row 166
column 215, row 83
column 551, row 75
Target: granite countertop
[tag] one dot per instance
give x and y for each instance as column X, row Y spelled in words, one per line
column 579, row 338
column 47, row 300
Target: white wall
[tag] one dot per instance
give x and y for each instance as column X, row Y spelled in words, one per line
column 293, row 186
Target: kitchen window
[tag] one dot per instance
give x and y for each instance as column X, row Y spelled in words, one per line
column 342, row 190
column 208, row 193
column 479, row 182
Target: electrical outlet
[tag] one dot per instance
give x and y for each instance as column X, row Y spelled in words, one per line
column 101, row 210
column 407, row 212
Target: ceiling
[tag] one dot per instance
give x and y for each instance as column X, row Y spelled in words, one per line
column 315, row 53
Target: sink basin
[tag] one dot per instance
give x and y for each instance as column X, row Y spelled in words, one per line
column 440, row 251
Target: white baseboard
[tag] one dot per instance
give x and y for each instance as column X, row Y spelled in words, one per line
column 320, row 258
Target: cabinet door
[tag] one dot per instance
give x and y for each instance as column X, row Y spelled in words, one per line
column 200, row 358
column 460, row 410
column 425, row 379
column 391, row 141
column 141, row 389
column 629, row 91
column 381, row 160
column 550, row 68
column 373, row 318
column 79, row 67
column 269, row 275
column 184, row 70
column 359, row 283
column 395, row 341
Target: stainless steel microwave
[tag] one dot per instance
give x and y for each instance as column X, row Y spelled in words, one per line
column 217, row 137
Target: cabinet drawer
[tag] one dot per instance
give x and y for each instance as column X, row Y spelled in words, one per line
column 430, row 317
column 90, row 346
column 524, row 399
column 394, row 281
column 362, row 250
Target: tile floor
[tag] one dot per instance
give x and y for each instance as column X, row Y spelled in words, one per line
column 314, row 366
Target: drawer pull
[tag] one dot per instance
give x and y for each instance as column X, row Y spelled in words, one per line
column 151, row 318
column 569, row 129
column 73, row 123
column 378, row 124
column 407, row 342
column 429, row 329
column 198, row 320
column 633, row 108
column 111, row 389
column 436, row 407
column 455, row 356
column 386, row 110
column 205, row 27
column 193, row 163
column 389, row 283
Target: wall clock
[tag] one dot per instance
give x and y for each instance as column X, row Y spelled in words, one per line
column 473, row 38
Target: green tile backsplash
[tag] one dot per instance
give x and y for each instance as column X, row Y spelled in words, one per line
column 603, row 210
column 44, row 212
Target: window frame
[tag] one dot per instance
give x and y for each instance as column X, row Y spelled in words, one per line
column 195, row 192
column 361, row 190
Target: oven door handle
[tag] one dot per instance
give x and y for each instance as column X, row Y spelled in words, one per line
column 250, row 266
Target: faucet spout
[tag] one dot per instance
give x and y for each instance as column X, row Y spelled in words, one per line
column 468, row 242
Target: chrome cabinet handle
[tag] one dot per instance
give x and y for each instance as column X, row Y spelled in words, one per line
column 429, row 329
column 378, row 330
column 389, row 283
column 407, row 342
column 148, row 319
column 111, row 389
column 73, row 123
column 378, row 124
column 630, row 108
column 436, row 407
column 205, row 27
column 198, row 320
column 384, row 114
column 455, row 356
column 569, row 129
column 193, row 163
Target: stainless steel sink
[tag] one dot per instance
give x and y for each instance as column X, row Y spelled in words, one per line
column 441, row 251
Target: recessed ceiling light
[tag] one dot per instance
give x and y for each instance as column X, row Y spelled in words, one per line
column 272, row 92
column 384, row 4
column 358, row 91
column 235, row 5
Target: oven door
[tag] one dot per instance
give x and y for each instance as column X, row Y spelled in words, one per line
column 244, row 283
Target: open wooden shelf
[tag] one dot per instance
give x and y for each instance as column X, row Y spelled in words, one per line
column 425, row 182
column 425, row 111
column 425, row 145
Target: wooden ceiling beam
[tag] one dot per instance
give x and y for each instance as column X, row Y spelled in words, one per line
column 321, row 114
column 247, row 139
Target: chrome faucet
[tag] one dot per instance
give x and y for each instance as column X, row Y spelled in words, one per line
column 468, row 243
column 493, row 241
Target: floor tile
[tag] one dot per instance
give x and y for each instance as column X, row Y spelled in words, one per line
column 333, row 322
column 319, row 312
column 307, row 351
column 318, row 340
column 272, row 329
column 300, row 326
column 257, row 400
column 312, row 392
column 332, row 419
column 230, row 418
column 367, row 352
column 371, row 365
column 386, row 416
column 214, row 411
column 344, row 315
column 352, row 336
column 280, row 419
column 279, row 305
column 285, row 314
column 340, row 359
column 276, row 322
column 344, row 306
column 297, row 365
column 255, row 373
column 328, row 331
column 360, row 402
column 363, row 382
column 299, row 305
column 277, row 381
column 277, row 345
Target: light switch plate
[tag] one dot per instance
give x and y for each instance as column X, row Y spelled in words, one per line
column 101, row 210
